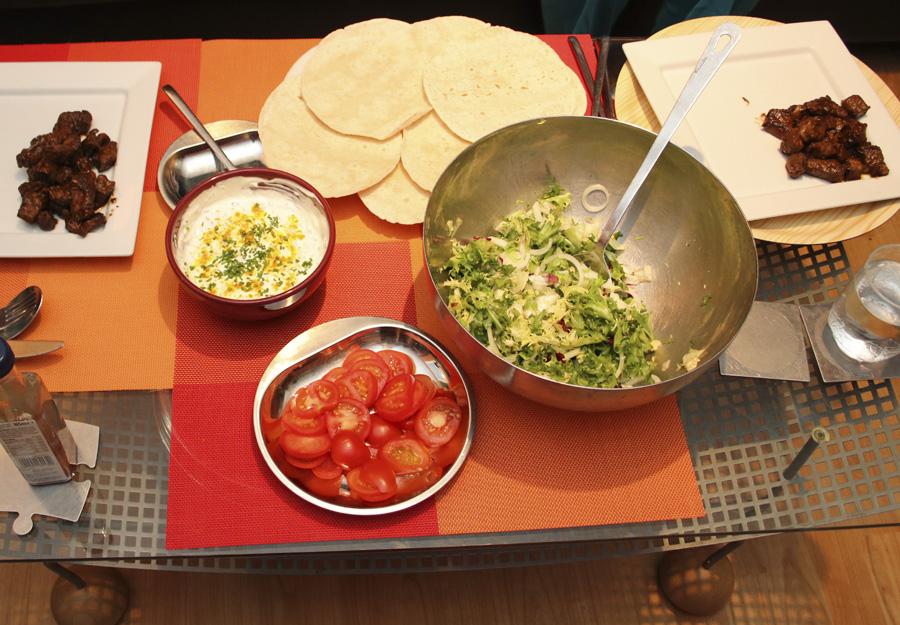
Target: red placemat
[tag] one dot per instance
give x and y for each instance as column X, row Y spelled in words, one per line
column 530, row 467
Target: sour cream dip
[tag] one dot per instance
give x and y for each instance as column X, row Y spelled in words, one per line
column 250, row 238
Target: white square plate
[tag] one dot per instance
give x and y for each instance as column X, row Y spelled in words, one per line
column 122, row 99
column 771, row 67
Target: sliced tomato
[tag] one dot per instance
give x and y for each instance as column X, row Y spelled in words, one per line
column 397, row 401
column 314, row 398
column 405, row 455
column 288, row 469
column 397, row 361
column 307, row 426
column 415, row 483
column 372, row 481
column 408, row 425
column 328, row 469
column 335, row 373
column 446, row 454
column 382, row 431
column 437, row 421
column 271, row 428
column 305, row 463
column 330, row 487
column 359, row 354
column 358, row 384
column 351, row 415
column 428, row 384
column 275, row 450
column 446, row 393
column 302, row 446
column 348, row 450
column 375, row 366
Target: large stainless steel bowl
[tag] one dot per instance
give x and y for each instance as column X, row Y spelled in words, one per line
column 683, row 223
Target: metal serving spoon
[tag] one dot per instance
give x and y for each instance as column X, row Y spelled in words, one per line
column 20, row 312
column 198, row 127
column 709, row 62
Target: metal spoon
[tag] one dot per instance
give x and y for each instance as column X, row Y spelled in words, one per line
column 19, row 313
column 198, row 127
column 709, row 62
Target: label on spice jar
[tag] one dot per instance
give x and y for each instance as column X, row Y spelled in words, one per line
column 31, row 452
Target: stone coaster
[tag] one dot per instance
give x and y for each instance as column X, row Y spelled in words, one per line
column 63, row 501
column 769, row 345
column 835, row 365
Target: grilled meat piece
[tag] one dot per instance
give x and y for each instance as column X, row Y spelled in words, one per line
column 830, row 148
column 813, row 128
column 791, row 142
column 72, row 123
column 873, row 160
column 777, row 122
column 825, row 106
column 829, row 169
column 93, row 142
column 82, row 228
column 33, row 203
column 60, row 196
column 853, row 168
column 46, row 220
column 106, row 156
column 851, row 132
column 65, row 152
column 104, row 189
column 31, row 185
column 796, row 164
column 855, row 105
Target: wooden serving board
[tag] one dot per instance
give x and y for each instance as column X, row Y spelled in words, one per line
column 817, row 227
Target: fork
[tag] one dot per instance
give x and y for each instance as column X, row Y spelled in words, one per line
column 15, row 316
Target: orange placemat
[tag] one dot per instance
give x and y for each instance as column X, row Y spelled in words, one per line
column 116, row 315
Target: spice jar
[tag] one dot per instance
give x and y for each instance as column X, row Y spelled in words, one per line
column 31, row 429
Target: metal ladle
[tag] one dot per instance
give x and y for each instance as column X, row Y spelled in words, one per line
column 709, row 62
column 198, row 127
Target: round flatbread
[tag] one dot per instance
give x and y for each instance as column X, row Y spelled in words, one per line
column 366, row 79
column 434, row 35
column 503, row 77
column 428, row 147
column 295, row 141
column 397, row 198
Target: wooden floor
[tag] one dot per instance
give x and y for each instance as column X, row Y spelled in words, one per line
column 821, row 578
column 831, row 577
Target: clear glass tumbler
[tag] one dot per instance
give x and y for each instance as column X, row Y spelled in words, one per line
column 865, row 319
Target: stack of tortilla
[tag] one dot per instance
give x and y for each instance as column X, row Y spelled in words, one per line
column 381, row 107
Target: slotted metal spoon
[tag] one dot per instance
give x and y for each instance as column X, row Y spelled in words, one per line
column 21, row 311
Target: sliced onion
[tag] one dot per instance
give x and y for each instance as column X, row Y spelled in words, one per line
column 591, row 207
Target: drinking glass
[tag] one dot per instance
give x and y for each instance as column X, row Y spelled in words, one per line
column 865, row 319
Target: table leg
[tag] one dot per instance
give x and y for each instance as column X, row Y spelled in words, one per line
column 699, row 580
column 87, row 595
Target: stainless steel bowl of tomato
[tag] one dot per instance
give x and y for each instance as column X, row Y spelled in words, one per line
column 364, row 416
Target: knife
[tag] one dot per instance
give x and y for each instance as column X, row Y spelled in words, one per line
column 24, row 349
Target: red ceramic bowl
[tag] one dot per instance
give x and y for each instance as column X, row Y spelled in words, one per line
column 267, row 181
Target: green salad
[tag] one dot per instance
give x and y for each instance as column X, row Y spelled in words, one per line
column 531, row 293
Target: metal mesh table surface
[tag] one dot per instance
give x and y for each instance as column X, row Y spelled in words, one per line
column 741, row 433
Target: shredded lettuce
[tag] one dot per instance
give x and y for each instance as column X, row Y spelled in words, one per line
column 532, row 294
